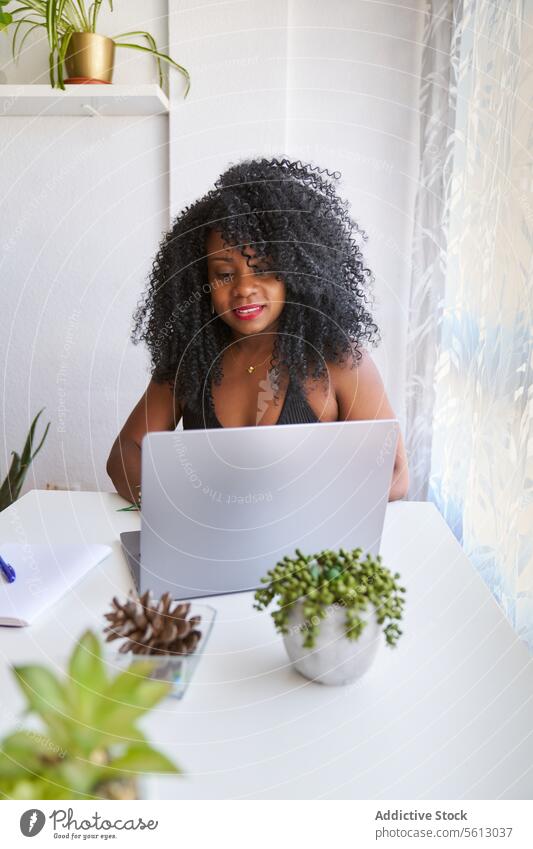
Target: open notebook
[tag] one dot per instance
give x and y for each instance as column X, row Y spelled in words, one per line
column 44, row 574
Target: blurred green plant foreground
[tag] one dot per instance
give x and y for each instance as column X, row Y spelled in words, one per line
column 87, row 744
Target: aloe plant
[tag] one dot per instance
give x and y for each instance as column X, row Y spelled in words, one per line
column 61, row 18
column 10, row 488
column 89, row 745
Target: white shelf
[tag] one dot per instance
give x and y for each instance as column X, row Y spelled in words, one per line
column 93, row 100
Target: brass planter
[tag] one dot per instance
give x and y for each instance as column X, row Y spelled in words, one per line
column 90, row 58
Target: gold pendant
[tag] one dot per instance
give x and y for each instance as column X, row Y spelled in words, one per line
column 250, row 369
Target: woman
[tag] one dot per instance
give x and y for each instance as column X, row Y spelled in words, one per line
column 256, row 313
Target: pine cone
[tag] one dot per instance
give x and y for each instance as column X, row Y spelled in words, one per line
column 153, row 627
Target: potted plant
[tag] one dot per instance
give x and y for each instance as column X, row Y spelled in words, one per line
column 88, row 744
column 332, row 608
column 12, row 484
column 73, row 41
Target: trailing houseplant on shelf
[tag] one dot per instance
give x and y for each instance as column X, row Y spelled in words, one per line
column 73, row 41
column 87, row 745
column 332, row 609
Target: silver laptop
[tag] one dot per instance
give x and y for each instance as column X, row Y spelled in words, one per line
column 220, row 507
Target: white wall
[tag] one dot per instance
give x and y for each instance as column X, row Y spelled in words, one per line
column 352, row 106
column 85, row 201
column 237, row 54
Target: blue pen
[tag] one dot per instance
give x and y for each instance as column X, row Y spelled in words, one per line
column 8, row 570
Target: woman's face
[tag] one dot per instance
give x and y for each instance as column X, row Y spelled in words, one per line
column 248, row 300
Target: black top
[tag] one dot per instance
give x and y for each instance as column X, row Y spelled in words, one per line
column 295, row 410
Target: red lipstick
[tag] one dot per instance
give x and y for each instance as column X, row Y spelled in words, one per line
column 249, row 312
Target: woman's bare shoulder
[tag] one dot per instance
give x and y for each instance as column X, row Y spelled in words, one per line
column 359, row 387
column 156, row 409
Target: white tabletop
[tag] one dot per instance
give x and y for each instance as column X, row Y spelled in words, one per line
column 445, row 715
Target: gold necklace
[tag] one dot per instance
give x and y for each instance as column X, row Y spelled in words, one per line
column 251, row 368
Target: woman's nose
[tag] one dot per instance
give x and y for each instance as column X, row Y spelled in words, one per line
column 244, row 284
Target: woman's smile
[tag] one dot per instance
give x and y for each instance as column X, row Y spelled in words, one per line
column 249, row 312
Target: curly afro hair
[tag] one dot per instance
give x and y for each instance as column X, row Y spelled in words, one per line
column 290, row 213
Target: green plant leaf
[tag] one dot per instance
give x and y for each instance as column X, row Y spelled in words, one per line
column 17, row 52
column 11, row 486
column 158, row 55
column 27, row 456
column 143, row 759
column 67, row 16
column 41, row 688
column 119, row 730
column 46, row 697
column 86, row 665
column 52, row 67
column 71, row 18
column 315, row 571
column 75, row 775
column 87, row 676
column 83, row 14
column 25, row 789
column 87, row 684
column 130, row 695
column 8, row 492
column 50, row 25
column 13, row 768
column 5, row 19
column 151, row 44
column 62, row 22
column 27, row 751
column 94, row 11
column 62, row 53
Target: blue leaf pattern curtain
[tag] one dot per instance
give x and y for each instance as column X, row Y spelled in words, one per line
column 477, row 443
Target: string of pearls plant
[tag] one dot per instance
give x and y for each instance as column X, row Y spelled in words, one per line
column 333, row 577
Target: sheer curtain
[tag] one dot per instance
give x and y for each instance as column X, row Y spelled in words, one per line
column 471, row 342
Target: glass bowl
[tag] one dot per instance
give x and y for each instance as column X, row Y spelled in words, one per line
column 178, row 669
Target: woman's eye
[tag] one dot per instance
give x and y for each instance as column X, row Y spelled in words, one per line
column 220, row 278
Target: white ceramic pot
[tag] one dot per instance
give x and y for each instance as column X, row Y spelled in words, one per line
column 334, row 659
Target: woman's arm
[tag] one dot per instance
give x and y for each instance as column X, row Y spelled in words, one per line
column 155, row 410
column 361, row 395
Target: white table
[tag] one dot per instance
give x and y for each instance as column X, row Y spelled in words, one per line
column 448, row 714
